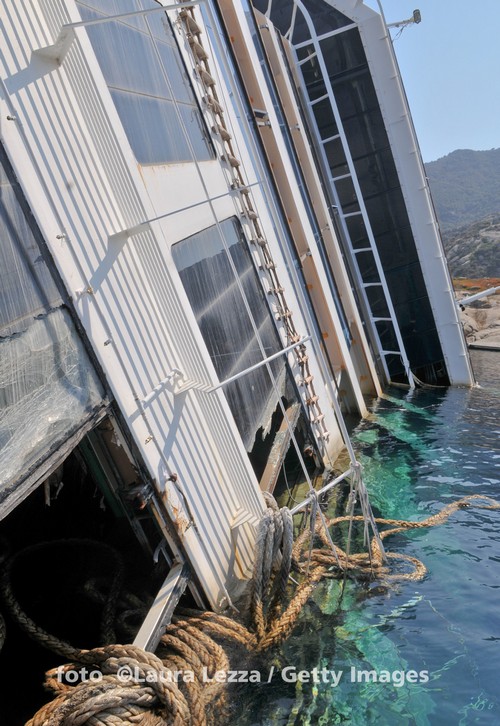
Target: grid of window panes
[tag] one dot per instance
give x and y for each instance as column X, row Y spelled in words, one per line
column 149, row 84
column 374, row 166
column 369, row 146
column 309, row 207
column 324, row 17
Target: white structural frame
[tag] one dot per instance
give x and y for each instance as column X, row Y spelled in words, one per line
column 315, row 41
column 110, row 226
column 414, row 185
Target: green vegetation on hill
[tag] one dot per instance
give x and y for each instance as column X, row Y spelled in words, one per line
column 465, row 186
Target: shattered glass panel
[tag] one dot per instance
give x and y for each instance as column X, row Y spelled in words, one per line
column 48, row 386
column 26, row 285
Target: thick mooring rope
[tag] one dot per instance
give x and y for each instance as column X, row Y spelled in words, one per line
column 198, row 642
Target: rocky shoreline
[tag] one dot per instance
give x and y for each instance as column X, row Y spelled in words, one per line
column 481, row 319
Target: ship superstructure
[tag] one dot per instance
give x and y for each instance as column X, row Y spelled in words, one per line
column 218, row 242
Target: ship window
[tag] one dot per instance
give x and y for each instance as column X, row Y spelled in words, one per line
column 48, row 387
column 357, row 232
column 366, row 133
column 346, row 194
column 367, row 267
column 313, row 78
column 377, row 173
column 397, row 249
column 325, row 119
column 149, row 84
column 387, row 212
column 323, row 17
column 343, row 52
column 218, row 274
column 336, row 157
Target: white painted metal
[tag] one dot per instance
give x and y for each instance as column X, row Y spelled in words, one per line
column 162, row 608
column 395, row 110
column 315, row 41
column 333, row 483
column 261, row 363
column 75, row 164
column 470, row 298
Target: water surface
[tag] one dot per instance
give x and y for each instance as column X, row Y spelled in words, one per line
column 419, row 451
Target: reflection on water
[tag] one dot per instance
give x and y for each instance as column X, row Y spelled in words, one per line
column 419, row 451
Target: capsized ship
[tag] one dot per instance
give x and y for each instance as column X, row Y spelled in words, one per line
column 218, row 243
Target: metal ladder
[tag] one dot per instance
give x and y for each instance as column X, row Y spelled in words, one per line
column 246, row 212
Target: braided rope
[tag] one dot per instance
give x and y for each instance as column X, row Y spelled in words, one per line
column 188, row 643
column 334, row 562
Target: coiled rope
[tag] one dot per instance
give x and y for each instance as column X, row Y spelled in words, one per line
column 198, row 643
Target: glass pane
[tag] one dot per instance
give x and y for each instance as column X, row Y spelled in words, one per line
column 423, row 348
column 48, row 390
column 150, row 86
column 175, row 72
column 115, row 44
column 281, row 14
column 336, row 158
column 325, row 119
column 204, row 264
column 114, row 7
column 377, row 173
column 367, row 267
column 355, row 93
column 414, row 316
column 397, row 249
column 387, row 335
column 387, row 212
column 306, row 52
column 346, row 193
column 407, row 283
column 366, row 133
column 48, row 386
column 26, row 285
column 313, row 78
column 377, row 301
column 343, row 52
column 324, row 19
column 159, row 26
column 357, row 231
column 154, row 129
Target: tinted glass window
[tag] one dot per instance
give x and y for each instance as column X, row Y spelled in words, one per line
column 324, row 17
column 313, row 78
column 336, row 158
column 343, row 52
column 325, row 119
column 205, row 263
column 142, row 66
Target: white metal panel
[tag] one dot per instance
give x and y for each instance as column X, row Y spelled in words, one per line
column 82, row 181
column 395, row 111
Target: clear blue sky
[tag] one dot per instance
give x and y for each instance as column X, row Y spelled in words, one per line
column 450, row 64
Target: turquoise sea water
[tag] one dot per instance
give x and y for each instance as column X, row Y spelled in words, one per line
column 419, row 452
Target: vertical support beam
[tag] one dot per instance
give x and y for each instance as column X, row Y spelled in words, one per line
column 162, row 609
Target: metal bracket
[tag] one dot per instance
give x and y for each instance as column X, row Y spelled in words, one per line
column 162, row 609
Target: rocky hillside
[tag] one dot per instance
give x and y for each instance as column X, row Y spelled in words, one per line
column 465, row 187
column 474, row 250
